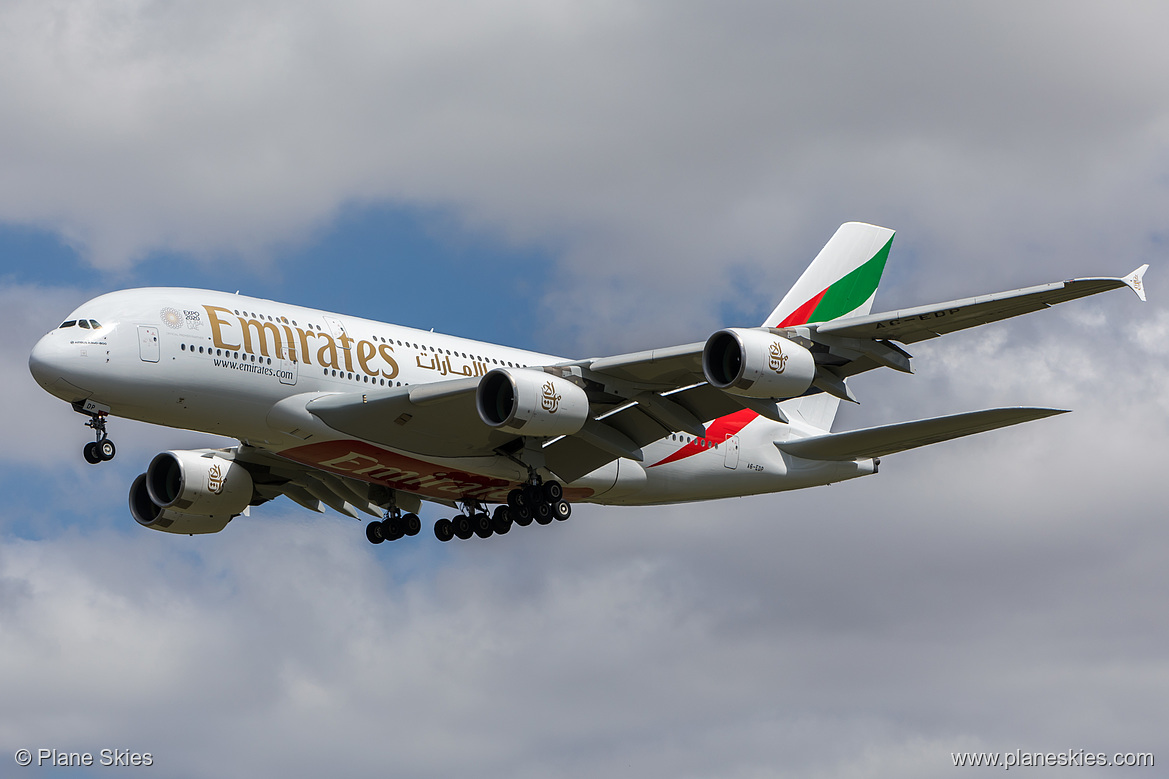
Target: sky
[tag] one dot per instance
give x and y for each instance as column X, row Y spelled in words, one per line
column 585, row 179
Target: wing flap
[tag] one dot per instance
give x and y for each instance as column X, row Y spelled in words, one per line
column 890, row 439
column 923, row 322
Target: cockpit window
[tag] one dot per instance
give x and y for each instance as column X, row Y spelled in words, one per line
column 83, row 323
column 70, row 323
column 93, row 323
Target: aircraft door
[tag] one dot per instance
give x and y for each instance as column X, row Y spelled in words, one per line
column 336, row 326
column 731, row 450
column 148, row 346
column 287, row 371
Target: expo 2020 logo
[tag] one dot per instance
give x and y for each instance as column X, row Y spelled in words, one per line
column 172, row 318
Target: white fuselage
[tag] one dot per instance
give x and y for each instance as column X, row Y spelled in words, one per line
column 222, row 363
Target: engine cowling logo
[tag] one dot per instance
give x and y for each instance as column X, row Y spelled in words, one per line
column 777, row 359
column 549, row 400
column 215, row 479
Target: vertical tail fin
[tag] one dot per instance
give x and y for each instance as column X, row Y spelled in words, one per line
column 842, row 281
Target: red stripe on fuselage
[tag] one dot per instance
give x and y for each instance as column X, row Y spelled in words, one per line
column 719, row 431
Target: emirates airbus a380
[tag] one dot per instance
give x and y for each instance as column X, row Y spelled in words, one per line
column 364, row 416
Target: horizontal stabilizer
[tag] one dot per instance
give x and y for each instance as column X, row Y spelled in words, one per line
column 889, row 439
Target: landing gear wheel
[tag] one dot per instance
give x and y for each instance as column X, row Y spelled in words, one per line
column 553, row 491
column 373, row 531
column 481, row 524
column 533, row 496
column 462, row 526
column 392, row 528
column 543, row 512
column 501, row 520
column 106, row 449
column 562, row 510
column 521, row 515
column 411, row 524
column 443, row 530
column 91, row 453
column 515, row 499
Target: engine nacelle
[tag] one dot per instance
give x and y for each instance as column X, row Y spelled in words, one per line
column 528, row 402
column 148, row 514
column 190, row 492
column 757, row 364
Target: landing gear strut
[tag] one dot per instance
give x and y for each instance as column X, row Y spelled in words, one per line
column 103, row 448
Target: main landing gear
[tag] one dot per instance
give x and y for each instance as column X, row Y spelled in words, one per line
column 541, row 502
column 394, row 526
column 103, row 448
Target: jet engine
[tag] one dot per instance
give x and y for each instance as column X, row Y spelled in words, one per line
column 190, row 492
column 533, row 403
column 757, row 364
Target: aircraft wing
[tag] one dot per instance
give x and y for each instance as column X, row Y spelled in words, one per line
column 924, row 322
column 890, row 439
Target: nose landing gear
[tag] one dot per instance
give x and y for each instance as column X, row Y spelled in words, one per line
column 103, row 448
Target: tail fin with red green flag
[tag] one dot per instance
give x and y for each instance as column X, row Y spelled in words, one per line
column 841, row 281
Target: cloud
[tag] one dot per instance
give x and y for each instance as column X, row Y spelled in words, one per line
column 653, row 148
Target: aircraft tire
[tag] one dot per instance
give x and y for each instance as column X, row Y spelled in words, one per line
column 481, row 523
column 515, row 499
column 106, row 449
column 522, row 515
column 462, row 526
column 553, row 491
column 501, row 520
column 91, row 454
column 443, row 530
column 392, row 528
column 533, row 496
column 562, row 510
column 543, row 513
column 411, row 524
column 373, row 532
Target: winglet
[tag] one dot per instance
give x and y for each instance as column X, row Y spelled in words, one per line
column 1136, row 281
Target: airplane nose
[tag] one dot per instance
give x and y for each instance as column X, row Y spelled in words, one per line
column 44, row 362
column 40, row 363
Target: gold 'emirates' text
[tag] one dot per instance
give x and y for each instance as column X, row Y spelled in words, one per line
column 269, row 339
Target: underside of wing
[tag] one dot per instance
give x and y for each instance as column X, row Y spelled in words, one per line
column 436, row 419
